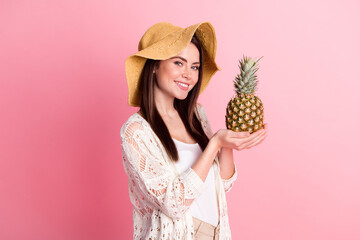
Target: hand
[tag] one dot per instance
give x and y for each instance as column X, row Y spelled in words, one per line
column 260, row 138
column 226, row 138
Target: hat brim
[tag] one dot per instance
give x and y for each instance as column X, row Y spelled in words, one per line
column 168, row 47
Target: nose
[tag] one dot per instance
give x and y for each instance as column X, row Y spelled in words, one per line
column 186, row 73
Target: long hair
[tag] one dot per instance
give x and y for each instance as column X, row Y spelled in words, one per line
column 185, row 108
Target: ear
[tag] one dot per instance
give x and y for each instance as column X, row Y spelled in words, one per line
column 156, row 67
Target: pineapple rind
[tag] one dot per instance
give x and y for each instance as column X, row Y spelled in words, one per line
column 245, row 111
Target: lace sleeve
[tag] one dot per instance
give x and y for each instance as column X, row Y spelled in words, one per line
column 228, row 183
column 159, row 185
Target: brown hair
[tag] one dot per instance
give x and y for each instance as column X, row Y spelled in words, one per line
column 185, row 108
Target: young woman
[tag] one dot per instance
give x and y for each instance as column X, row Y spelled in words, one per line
column 178, row 169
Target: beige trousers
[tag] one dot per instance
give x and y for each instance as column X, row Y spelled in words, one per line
column 205, row 231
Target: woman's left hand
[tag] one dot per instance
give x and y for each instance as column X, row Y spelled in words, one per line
column 258, row 139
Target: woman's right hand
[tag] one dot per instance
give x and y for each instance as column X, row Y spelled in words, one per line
column 226, row 138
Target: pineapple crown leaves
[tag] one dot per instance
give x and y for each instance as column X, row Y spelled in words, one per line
column 246, row 81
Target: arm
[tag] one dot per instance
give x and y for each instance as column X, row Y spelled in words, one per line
column 228, row 170
column 204, row 162
column 227, row 165
column 161, row 188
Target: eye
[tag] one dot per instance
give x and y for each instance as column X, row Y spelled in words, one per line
column 196, row 67
column 178, row 62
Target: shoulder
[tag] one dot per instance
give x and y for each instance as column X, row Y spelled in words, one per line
column 134, row 123
column 199, row 107
column 200, row 111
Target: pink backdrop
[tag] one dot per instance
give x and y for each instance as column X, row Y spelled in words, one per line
column 63, row 99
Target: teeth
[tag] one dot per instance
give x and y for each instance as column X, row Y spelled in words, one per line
column 182, row 84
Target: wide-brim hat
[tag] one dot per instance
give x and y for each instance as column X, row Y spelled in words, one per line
column 164, row 40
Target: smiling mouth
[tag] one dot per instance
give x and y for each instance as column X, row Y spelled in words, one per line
column 182, row 86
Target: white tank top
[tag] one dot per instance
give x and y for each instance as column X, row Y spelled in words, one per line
column 205, row 207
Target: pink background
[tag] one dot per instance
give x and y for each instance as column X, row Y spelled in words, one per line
column 63, row 100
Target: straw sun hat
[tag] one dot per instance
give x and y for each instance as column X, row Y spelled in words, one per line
column 164, row 40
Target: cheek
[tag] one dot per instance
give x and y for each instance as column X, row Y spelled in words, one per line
column 174, row 73
column 195, row 77
column 170, row 73
column 164, row 79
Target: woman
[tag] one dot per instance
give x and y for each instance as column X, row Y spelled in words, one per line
column 178, row 170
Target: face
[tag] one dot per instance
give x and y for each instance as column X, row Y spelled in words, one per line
column 177, row 75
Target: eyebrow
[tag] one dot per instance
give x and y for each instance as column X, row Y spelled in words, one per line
column 182, row 59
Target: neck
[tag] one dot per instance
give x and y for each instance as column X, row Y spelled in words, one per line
column 164, row 104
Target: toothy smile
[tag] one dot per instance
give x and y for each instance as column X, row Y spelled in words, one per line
column 182, row 84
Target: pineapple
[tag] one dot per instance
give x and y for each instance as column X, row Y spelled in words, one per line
column 244, row 111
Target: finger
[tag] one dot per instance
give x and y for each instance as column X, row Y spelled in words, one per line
column 245, row 141
column 249, row 141
column 257, row 141
column 240, row 143
column 240, row 134
column 256, row 134
column 253, row 136
column 260, row 136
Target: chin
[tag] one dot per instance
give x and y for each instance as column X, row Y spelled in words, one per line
column 181, row 97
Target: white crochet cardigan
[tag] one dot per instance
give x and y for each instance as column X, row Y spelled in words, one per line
column 161, row 197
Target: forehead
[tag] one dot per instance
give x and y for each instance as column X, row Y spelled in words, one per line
column 190, row 50
column 190, row 54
